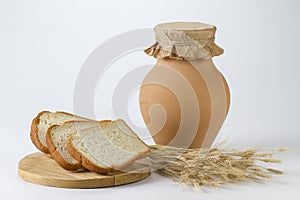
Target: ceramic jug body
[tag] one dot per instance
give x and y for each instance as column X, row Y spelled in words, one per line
column 184, row 103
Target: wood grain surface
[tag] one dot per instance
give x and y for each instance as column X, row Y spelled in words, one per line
column 41, row 169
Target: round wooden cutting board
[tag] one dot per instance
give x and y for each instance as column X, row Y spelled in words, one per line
column 40, row 169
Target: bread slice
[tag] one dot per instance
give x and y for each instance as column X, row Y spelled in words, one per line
column 43, row 121
column 57, row 140
column 112, row 146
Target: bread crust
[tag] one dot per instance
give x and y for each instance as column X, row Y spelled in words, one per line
column 34, row 133
column 84, row 161
column 56, row 154
column 34, row 129
column 129, row 162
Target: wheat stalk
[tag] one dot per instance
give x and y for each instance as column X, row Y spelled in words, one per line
column 211, row 167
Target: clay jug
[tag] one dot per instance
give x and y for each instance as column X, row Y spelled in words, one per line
column 184, row 99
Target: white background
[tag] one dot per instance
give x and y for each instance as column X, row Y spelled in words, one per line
column 44, row 43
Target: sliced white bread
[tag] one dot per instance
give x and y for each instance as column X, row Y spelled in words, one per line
column 112, row 146
column 57, row 140
column 43, row 121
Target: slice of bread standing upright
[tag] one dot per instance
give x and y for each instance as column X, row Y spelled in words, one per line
column 57, row 140
column 111, row 146
column 43, row 121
